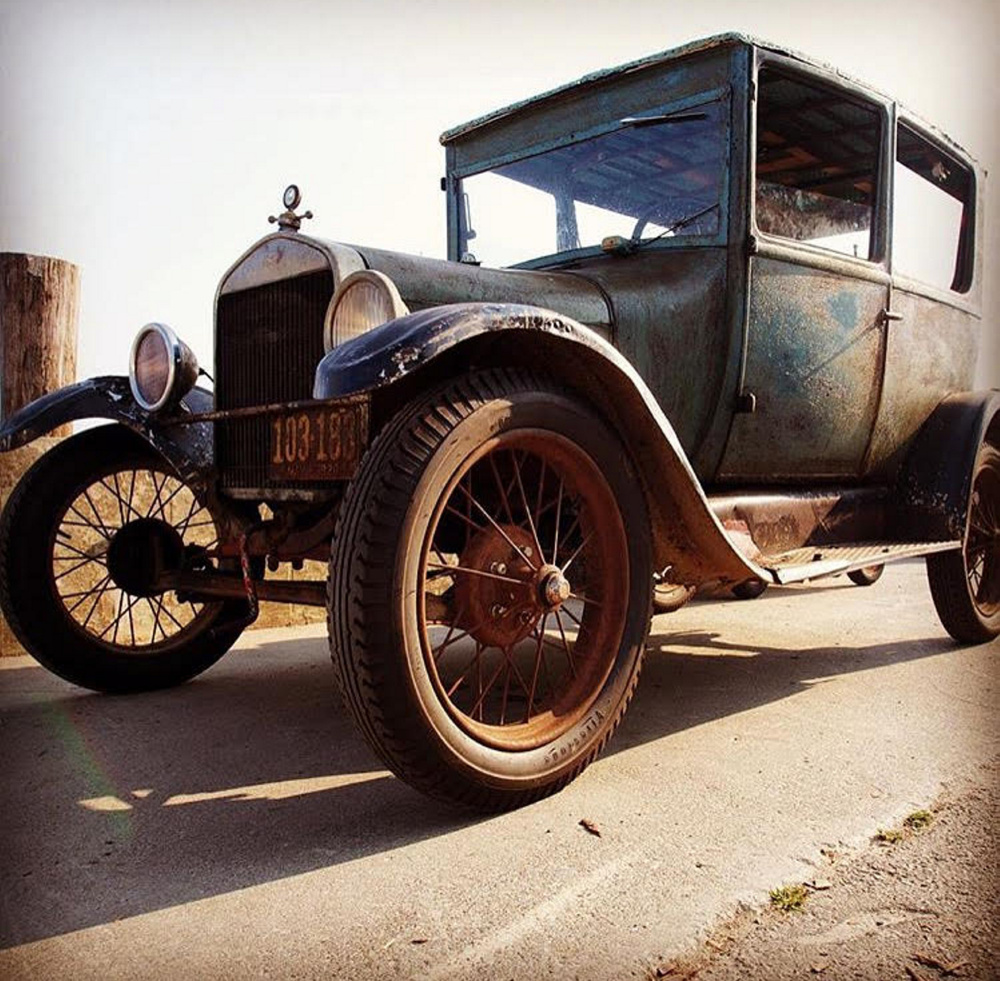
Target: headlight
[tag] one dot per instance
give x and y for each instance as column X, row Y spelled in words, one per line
column 364, row 300
column 162, row 369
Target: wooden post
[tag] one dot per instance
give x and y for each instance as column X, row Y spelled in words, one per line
column 39, row 297
column 38, row 312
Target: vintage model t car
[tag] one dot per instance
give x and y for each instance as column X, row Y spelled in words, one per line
column 733, row 342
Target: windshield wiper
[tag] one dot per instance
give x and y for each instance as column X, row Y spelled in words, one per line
column 637, row 243
column 618, row 245
column 675, row 117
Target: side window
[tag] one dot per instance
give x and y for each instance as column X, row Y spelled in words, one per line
column 817, row 164
column 931, row 215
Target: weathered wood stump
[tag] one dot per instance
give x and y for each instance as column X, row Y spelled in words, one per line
column 39, row 298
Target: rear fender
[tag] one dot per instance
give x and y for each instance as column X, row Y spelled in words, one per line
column 936, row 478
column 414, row 352
column 187, row 447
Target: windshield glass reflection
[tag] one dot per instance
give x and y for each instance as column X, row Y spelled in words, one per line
column 655, row 177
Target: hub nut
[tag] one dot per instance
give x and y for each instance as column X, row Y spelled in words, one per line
column 556, row 589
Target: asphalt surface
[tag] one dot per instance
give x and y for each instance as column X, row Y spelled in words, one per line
column 239, row 827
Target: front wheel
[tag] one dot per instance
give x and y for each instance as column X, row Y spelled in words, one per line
column 83, row 538
column 965, row 584
column 490, row 590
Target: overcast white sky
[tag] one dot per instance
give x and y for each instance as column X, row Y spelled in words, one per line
column 148, row 140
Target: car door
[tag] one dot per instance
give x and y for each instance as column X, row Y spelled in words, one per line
column 933, row 335
column 817, row 281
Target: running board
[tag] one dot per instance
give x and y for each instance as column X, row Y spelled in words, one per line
column 820, row 561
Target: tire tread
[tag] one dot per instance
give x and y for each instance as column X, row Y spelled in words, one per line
column 361, row 570
column 72, row 655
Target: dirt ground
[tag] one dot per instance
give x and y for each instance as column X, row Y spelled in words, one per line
column 919, row 903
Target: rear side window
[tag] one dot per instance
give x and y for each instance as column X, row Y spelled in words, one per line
column 816, row 164
column 932, row 214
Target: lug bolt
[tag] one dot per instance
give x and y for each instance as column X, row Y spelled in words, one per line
column 499, row 568
column 497, row 611
column 527, row 551
column 526, row 617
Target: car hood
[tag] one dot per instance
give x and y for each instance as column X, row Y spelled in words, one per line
column 424, row 283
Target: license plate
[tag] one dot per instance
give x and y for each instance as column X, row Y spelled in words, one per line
column 322, row 443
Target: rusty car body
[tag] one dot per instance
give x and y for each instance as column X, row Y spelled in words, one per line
column 733, row 341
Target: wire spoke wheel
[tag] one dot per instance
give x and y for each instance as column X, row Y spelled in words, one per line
column 116, row 535
column 982, row 546
column 85, row 539
column 490, row 590
column 965, row 584
column 517, row 624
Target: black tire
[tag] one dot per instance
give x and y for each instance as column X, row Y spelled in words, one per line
column 965, row 584
column 750, row 589
column 60, row 556
column 866, row 576
column 669, row 597
column 449, row 733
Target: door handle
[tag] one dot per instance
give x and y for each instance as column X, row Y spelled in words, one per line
column 888, row 315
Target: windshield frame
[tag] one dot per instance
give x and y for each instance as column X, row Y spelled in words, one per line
column 458, row 244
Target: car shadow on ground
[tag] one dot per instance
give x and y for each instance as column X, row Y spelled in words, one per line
column 693, row 677
column 117, row 806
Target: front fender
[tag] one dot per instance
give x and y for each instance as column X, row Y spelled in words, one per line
column 936, row 477
column 187, row 447
column 687, row 535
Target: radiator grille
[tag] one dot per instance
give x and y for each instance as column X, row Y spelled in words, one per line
column 269, row 340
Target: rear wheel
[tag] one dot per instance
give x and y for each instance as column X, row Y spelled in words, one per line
column 668, row 596
column 83, row 539
column 966, row 584
column 490, row 590
column 750, row 589
column 866, row 576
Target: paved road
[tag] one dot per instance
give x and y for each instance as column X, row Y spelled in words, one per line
column 238, row 827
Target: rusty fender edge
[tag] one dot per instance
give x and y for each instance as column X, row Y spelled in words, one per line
column 936, row 477
column 187, row 447
column 454, row 338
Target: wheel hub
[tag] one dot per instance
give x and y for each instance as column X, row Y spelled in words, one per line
column 504, row 605
column 554, row 587
column 141, row 552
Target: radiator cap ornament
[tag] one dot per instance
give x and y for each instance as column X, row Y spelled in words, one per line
column 289, row 220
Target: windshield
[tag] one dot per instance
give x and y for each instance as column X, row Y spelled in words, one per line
column 657, row 176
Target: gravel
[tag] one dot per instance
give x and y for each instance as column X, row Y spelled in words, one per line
column 922, row 908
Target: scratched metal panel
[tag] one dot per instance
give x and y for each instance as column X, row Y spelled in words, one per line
column 595, row 103
column 930, row 353
column 424, row 283
column 670, row 322
column 813, row 361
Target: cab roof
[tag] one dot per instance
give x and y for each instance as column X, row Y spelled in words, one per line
column 732, row 38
